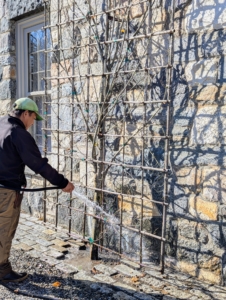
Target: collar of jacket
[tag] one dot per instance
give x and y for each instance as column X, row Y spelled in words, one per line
column 16, row 121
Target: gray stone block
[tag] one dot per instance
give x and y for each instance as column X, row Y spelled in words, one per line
column 106, row 269
column 104, row 278
column 40, row 248
column 20, row 7
column 127, row 271
column 186, row 48
column 28, row 223
column 211, row 43
column 8, row 59
column 68, row 269
column 7, row 89
column 44, row 242
column 183, row 116
column 28, row 242
column 7, row 42
column 6, row 24
column 152, row 281
column 82, row 275
column 22, row 246
column 131, row 264
column 58, row 248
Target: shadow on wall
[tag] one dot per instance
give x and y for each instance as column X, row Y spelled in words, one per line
column 197, row 213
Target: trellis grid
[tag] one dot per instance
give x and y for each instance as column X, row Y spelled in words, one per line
column 110, row 81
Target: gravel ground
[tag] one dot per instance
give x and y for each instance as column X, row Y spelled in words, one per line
column 41, row 279
column 42, row 276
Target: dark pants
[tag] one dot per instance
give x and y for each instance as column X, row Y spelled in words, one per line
column 10, row 202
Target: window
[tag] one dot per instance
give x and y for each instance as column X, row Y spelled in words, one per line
column 31, row 64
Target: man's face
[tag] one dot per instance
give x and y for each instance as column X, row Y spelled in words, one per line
column 28, row 118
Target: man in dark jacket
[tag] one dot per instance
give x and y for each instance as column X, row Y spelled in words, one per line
column 17, row 150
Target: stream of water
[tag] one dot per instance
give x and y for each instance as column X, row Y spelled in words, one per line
column 111, row 222
column 100, row 212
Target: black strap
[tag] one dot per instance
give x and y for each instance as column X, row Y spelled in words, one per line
column 30, row 190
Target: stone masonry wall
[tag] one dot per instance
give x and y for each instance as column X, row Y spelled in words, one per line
column 196, row 217
column 196, row 223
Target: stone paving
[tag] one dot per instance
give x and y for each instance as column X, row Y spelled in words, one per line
column 72, row 258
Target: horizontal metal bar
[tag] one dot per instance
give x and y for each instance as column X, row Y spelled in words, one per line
column 118, row 101
column 114, row 164
column 39, row 93
column 120, row 194
column 105, row 134
column 147, row 102
column 117, row 194
column 127, row 166
column 106, row 73
column 142, row 36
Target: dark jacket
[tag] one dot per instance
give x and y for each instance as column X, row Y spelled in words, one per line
column 17, row 149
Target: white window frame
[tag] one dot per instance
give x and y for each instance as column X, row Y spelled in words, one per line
column 23, row 27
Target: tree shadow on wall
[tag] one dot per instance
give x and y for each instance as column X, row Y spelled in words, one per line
column 196, row 231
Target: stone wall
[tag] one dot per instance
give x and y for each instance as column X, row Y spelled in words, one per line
column 196, row 225
column 196, row 217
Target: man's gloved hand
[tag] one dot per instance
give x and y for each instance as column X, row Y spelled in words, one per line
column 69, row 188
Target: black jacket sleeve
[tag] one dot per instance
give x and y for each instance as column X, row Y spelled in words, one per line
column 31, row 156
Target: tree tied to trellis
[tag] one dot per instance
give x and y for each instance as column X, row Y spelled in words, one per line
column 120, row 44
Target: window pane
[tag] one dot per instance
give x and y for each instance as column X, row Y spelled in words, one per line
column 34, row 82
column 41, row 39
column 39, row 134
column 41, row 81
column 48, row 109
column 38, row 101
column 39, row 127
column 33, row 42
column 41, row 61
column 49, row 42
column 33, row 63
column 36, row 59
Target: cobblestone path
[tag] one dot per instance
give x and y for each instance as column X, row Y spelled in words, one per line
column 52, row 259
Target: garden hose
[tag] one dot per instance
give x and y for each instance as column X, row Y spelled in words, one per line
column 31, row 190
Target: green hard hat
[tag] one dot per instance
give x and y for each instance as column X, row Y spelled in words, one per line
column 27, row 104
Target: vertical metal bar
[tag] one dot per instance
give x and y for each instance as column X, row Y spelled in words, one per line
column 166, row 156
column 143, row 134
column 123, row 139
column 72, row 120
column 58, row 104
column 106, row 79
column 87, row 129
column 46, row 107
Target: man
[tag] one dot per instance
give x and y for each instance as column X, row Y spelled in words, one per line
column 17, row 149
